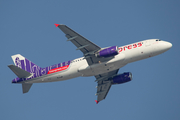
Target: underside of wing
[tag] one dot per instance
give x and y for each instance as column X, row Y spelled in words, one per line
column 87, row 47
column 79, row 41
column 104, row 84
column 102, row 90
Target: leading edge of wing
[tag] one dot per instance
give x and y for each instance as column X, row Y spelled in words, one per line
column 87, row 47
column 78, row 40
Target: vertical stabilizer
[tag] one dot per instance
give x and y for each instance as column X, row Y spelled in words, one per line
column 26, row 65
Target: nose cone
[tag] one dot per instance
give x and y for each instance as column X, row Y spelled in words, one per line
column 168, row 45
column 161, row 47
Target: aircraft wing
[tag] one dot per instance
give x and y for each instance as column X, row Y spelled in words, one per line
column 104, row 84
column 79, row 41
column 87, row 47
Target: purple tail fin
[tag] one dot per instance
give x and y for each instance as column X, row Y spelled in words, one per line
column 26, row 65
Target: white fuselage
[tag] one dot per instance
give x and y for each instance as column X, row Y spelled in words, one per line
column 127, row 54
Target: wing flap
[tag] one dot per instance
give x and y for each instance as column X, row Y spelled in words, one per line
column 104, row 84
column 103, row 89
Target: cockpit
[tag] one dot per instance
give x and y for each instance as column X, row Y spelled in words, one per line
column 158, row 40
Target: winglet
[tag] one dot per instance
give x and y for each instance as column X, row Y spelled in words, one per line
column 56, row 25
column 96, row 101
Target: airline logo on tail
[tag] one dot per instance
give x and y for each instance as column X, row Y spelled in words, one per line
column 23, row 65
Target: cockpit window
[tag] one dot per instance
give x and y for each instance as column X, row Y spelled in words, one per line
column 158, row 40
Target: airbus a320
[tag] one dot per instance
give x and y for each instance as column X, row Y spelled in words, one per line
column 103, row 63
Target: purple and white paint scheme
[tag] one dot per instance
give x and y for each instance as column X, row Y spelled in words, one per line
column 108, row 52
column 32, row 68
column 103, row 63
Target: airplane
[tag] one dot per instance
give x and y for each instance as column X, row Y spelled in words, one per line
column 103, row 63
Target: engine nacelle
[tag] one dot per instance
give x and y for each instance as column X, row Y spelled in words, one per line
column 107, row 52
column 122, row 78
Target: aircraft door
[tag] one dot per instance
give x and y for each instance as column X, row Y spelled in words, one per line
column 147, row 52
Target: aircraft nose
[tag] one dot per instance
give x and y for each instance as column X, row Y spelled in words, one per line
column 163, row 46
column 168, row 45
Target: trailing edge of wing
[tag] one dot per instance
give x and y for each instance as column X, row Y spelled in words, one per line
column 103, row 90
column 104, row 84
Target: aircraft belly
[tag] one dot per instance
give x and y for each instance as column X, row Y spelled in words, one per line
column 62, row 76
column 53, row 78
column 103, row 67
column 85, row 70
column 107, row 67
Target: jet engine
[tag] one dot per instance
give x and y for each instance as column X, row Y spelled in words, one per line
column 122, row 78
column 107, row 52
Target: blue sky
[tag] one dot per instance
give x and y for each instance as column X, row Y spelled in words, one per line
column 27, row 28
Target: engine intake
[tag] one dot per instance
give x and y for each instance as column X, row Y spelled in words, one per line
column 107, row 52
column 122, row 78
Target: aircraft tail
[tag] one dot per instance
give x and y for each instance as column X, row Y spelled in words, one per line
column 19, row 72
column 26, row 65
column 24, row 68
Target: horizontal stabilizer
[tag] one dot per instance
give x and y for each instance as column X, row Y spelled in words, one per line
column 26, row 87
column 19, row 72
